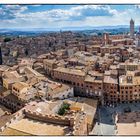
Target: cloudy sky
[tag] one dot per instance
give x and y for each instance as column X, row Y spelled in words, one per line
column 59, row 16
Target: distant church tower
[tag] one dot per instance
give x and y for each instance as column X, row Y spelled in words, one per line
column 131, row 28
column 0, row 56
column 106, row 38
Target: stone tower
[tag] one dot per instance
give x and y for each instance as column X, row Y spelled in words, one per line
column 106, row 38
column 131, row 28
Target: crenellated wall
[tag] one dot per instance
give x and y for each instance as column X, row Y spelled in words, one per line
column 80, row 125
column 56, row 119
column 77, row 121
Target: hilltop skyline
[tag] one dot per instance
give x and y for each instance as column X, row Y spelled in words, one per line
column 61, row 16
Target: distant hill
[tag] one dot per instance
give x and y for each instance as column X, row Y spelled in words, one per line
column 87, row 30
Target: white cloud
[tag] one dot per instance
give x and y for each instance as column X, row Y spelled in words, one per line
column 96, row 10
column 137, row 6
column 82, row 15
column 8, row 12
column 74, row 13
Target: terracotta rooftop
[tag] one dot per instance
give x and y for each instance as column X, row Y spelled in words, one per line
column 30, row 126
column 70, row 71
column 109, row 79
column 43, row 107
column 128, row 124
column 11, row 74
column 20, row 85
column 29, row 70
column 89, row 106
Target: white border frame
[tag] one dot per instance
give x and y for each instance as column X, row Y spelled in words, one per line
column 69, row 2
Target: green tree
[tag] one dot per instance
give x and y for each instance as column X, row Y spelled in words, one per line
column 7, row 39
column 61, row 111
column 65, row 107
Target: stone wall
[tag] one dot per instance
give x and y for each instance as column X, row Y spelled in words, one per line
column 18, row 116
column 78, row 121
column 80, row 125
column 55, row 119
